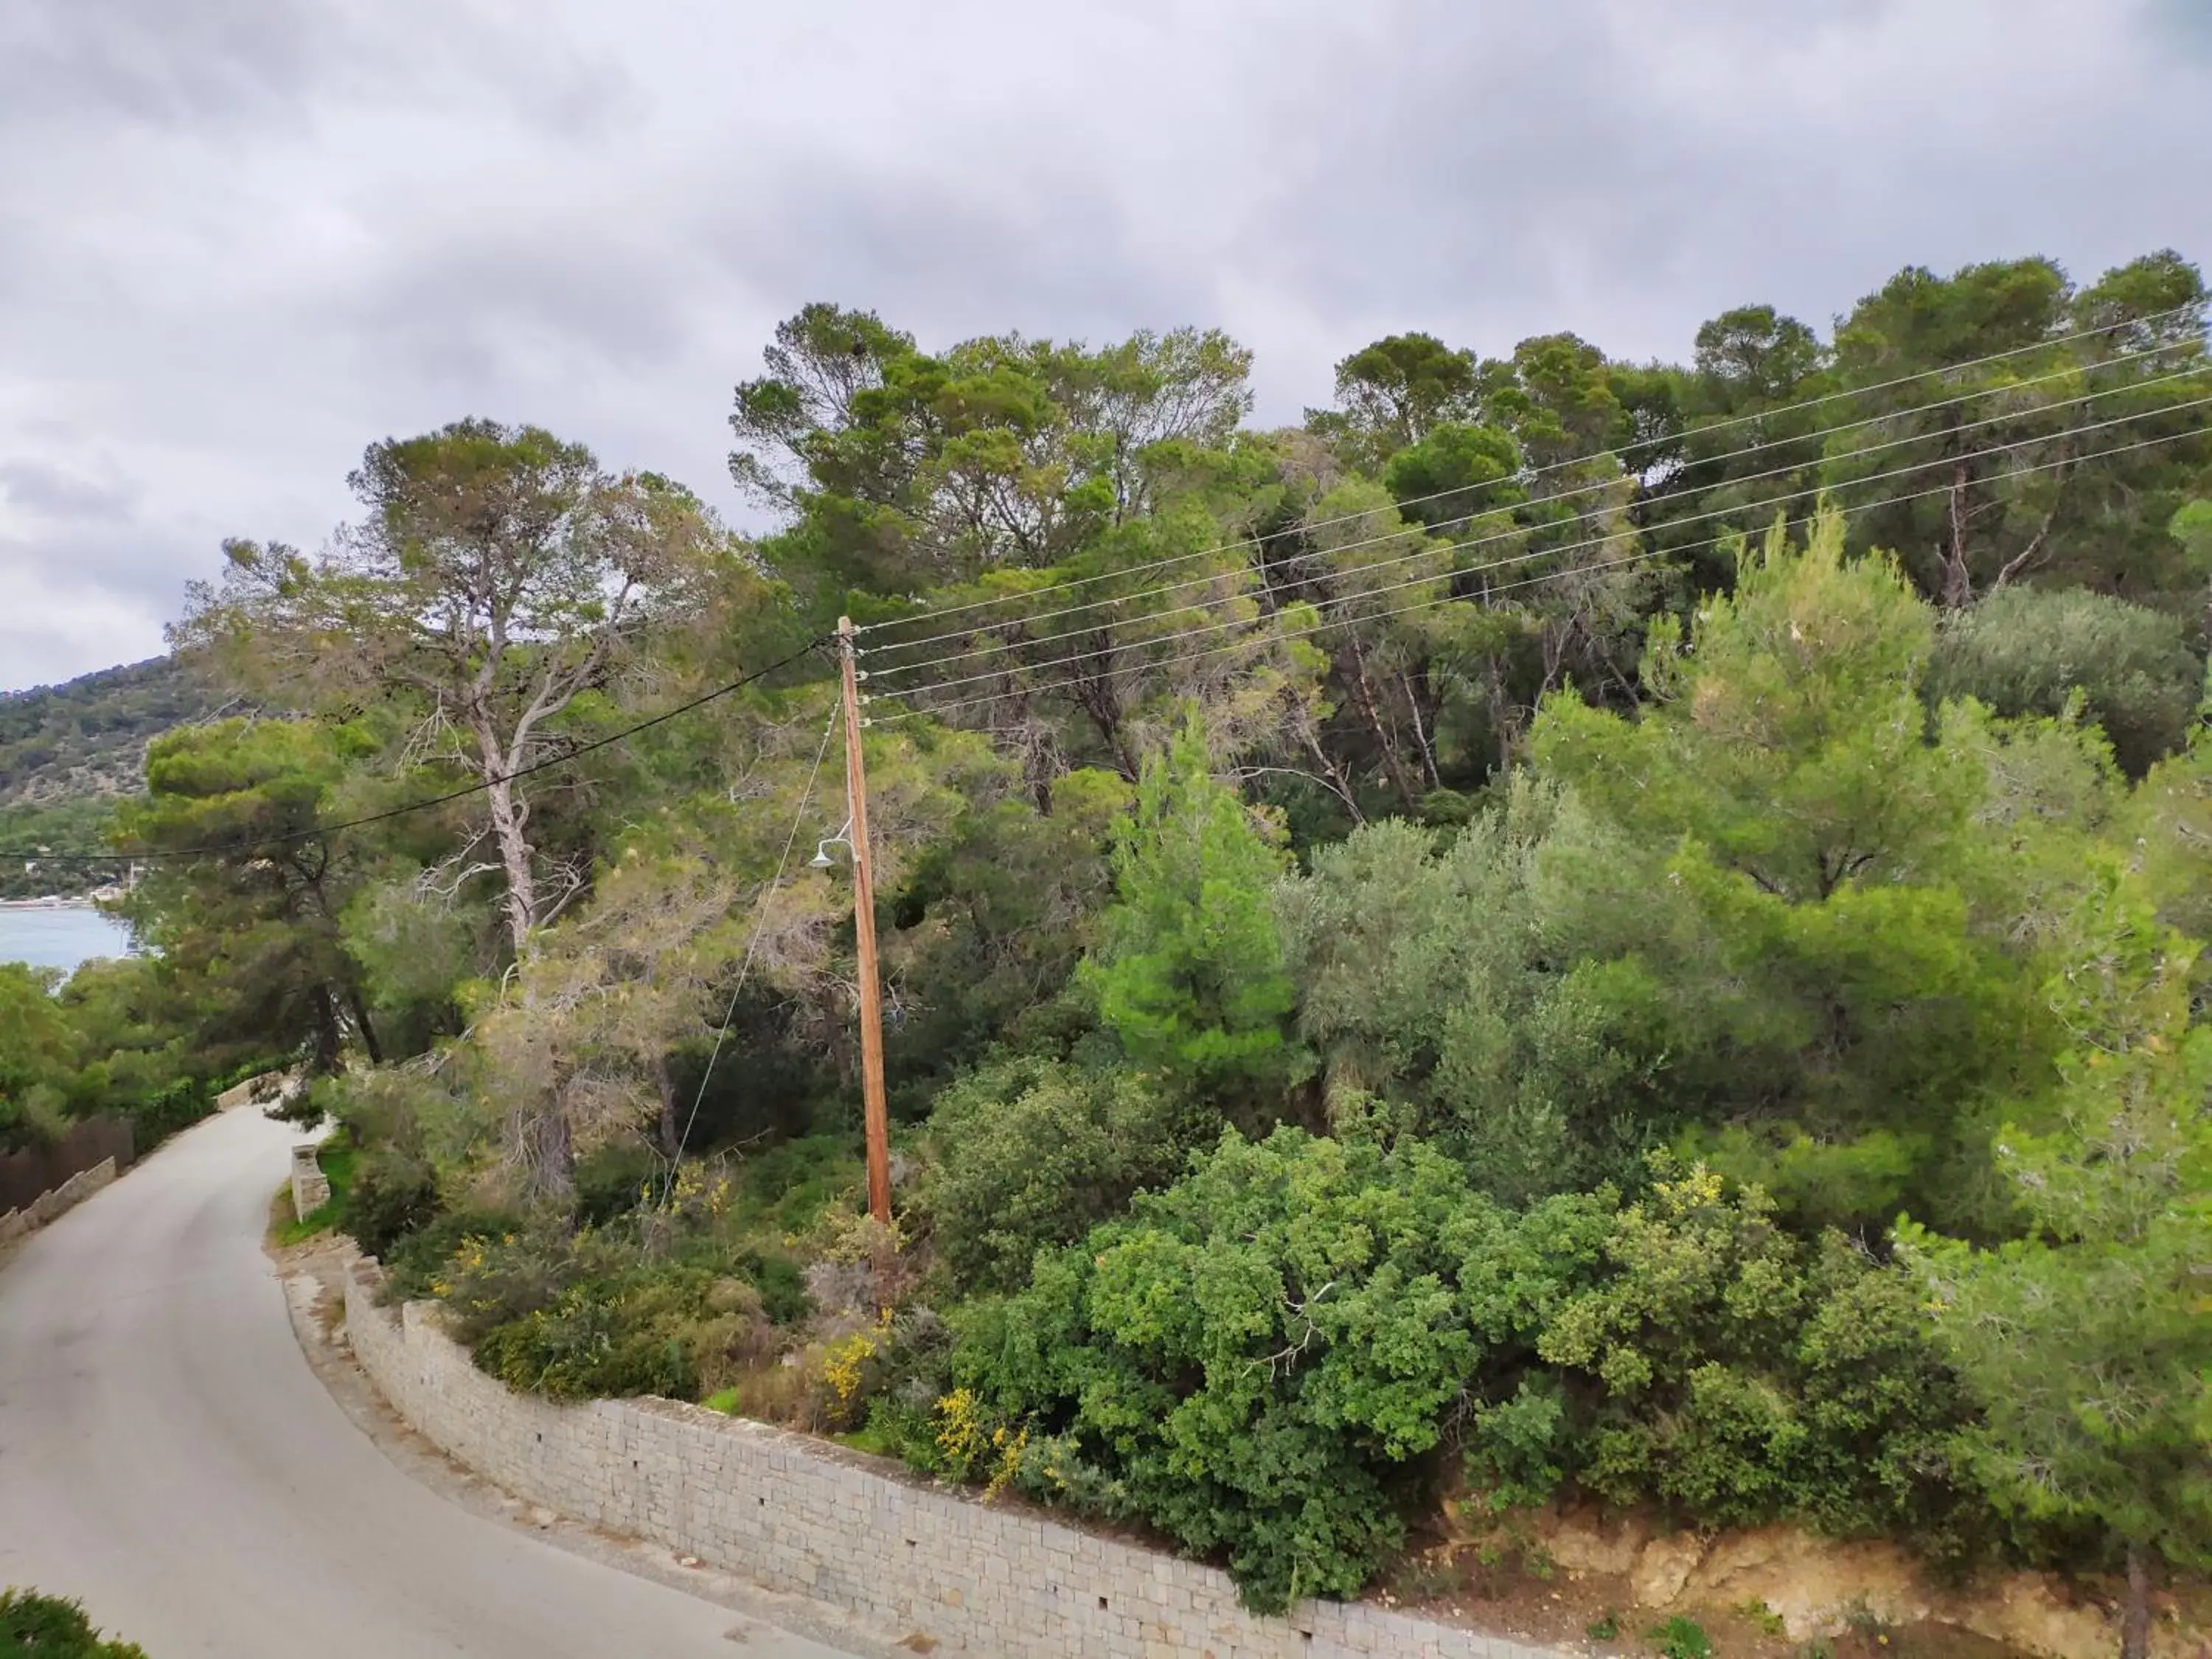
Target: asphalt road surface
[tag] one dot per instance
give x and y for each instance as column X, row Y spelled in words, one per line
column 167, row 1455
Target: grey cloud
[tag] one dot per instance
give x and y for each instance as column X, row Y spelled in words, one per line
column 947, row 258
column 242, row 238
column 157, row 61
column 1539, row 170
column 235, row 64
column 83, row 595
column 2184, row 23
column 481, row 312
column 117, row 553
column 52, row 492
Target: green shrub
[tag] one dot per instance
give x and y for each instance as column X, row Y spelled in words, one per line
column 391, row 1195
column 418, row 1260
column 779, row 1281
column 1034, row 1153
column 35, row 1626
column 615, row 1180
column 2025, row 650
column 492, row 1279
column 168, row 1110
column 783, row 1191
column 1265, row 1360
column 1723, row 1370
column 588, row 1315
column 673, row 1331
column 1680, row 1639
column 1260, row 1360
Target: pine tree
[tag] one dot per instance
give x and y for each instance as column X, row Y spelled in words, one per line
column 1189, row 972
column 2089, row 1342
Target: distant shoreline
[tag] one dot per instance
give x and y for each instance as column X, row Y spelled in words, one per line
column 47, row 905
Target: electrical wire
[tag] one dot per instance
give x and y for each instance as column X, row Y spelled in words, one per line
column 1596, row 488
column 1430, row 549
column 1714, row 426
column 248, row 844
column 752, row 942
column 938, row 710
column 1437, row 550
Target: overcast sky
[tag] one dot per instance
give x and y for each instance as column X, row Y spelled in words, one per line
column 242, row 238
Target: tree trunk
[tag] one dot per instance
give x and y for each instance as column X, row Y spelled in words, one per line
column 1500, row 714
column 368, row 1041
column 1329, row 771
column 670, row 1132
column 1363, row 697
column 1434, row 777
column 1958, row 580
column 549, row 1153
column 329, row 1038
column 515, row 862
column 2135, row 1628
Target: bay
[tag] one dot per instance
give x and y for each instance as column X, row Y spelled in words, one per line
column 60, row 935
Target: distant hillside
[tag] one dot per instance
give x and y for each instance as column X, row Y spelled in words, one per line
column 88, row 738
column 67, row 753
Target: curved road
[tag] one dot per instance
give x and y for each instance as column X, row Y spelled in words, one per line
column 167, row 1455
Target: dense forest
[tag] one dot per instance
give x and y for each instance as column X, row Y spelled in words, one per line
column 68, row 752
column 1562, row 927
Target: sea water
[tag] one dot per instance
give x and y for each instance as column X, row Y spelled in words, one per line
column 59, row 935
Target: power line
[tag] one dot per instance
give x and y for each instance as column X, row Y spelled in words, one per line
column 1596, row 488
column 752, row 942
column 1441, row 549
column 249, row 844
column 1340, row 620
column 1431, row 548
column 1714, row 426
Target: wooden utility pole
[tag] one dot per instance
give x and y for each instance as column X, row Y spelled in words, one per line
column 875, row 1114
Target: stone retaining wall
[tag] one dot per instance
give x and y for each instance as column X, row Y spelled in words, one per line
column 800, row 1515
column 311, row 1188
column 18, row 1225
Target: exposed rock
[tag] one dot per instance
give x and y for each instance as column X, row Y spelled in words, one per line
column 1663, row 1567
column 1809, row 1582
column 1589, row 1540
column 2028, row 1610
column 1818, row 1585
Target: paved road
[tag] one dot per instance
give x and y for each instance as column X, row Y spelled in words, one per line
column 167, row 1455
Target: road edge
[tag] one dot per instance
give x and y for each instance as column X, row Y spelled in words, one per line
column 312, row 1276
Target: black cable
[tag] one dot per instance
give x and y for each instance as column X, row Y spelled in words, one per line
column 476, row 788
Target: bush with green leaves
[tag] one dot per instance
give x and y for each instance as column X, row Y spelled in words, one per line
column 1273, row 1361
column 169, row 1109
column 35, row 1626
column 591, row 1315
column 394, row 1192
column 1028, row 1153
column 1719, row 1367
column 2026, row 651
column 1681, row 1638
column 1262, row 1360
column 1440, row 971
column 417, row 1262
column 675, row 1331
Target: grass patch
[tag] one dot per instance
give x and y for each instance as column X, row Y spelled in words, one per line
column 868, row 1438
column 725, row 1401
column 337, row 1156
column 781, row 1192
column 1758, row 1613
